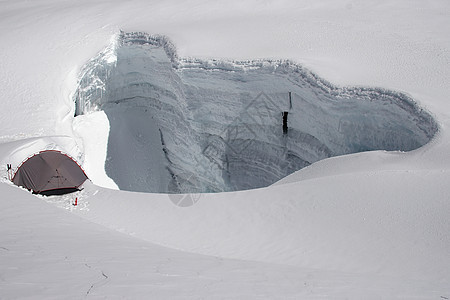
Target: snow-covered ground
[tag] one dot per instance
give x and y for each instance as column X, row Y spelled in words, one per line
column 367, row 225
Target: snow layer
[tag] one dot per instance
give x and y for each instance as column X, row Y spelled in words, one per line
column 383, row 216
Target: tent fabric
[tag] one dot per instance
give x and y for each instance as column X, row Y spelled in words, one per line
column 50, row 172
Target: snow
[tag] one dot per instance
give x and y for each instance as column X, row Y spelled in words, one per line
column 93, row 132
column 367, row 225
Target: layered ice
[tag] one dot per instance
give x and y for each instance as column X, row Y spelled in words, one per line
column 191, row 125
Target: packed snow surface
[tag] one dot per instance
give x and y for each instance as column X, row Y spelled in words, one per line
column 367, row 225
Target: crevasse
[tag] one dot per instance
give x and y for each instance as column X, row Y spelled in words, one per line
column 191, row 125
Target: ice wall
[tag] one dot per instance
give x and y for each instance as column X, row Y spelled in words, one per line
column 190, row 125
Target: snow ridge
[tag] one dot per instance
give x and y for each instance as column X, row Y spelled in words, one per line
column 142, row 38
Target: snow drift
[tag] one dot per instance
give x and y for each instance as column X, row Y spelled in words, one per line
column 191, row 125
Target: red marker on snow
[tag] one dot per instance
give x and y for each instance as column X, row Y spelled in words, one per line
column 76, row 202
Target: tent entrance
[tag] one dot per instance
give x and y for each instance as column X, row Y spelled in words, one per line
column 58, row 192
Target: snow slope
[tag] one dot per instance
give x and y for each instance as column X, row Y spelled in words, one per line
column 49, row 253
column 370, row 225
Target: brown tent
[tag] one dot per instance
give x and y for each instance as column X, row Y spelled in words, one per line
column 50, row 173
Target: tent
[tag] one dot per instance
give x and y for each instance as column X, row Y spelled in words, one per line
column 50, row 172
